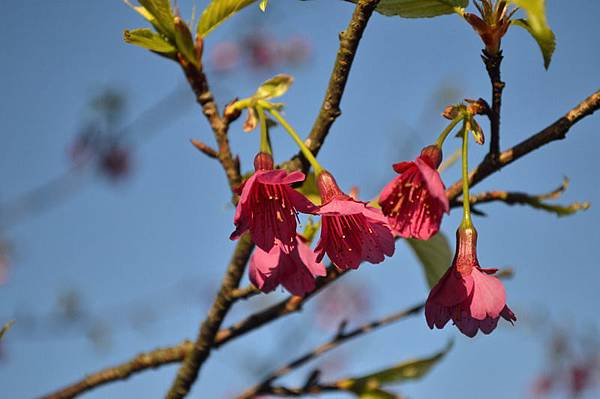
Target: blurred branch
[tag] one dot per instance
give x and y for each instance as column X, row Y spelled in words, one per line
column 535, row 201
column 330, row 109
column 556, row 131
column 265, row 387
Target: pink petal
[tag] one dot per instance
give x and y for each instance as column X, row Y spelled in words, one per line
column 434, row 183
column 489, row 296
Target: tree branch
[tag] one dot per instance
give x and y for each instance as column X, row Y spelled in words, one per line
column 492, row 65
column 197, row 80
column 188, row 372
column 264, row 387
column 330, row 109
column 535, row 201
column 556, row 131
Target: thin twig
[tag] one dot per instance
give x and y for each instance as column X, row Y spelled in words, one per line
column 519, row 198
column 204, row 148
column 264, row 387
column 245, row 293
column 556, row 131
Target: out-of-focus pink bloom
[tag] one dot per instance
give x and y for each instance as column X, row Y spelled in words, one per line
column 581, row 378
column 296, row 270
column 225, row 56
column 297, row 49
column 343, row 301
column 467, row 294
column 415, row 201
column 116, row 162
column 543, row 385
column 269, row 206
column 351, row 231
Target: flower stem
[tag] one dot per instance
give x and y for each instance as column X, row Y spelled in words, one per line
column 305, row 151
column 265, row 142
column 466, row 221
column 440, row 141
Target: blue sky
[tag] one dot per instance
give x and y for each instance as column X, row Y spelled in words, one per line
column 159, row 241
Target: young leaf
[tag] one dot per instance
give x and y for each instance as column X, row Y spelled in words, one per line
column 163, row 16
column 402, row 372
column 185, row 42
column 418, row 8
column 537, row 26
column 263, row 5
column 274, row 87
column 6, row 327
column 435, row 256
column 149, row 40
column 217, row 12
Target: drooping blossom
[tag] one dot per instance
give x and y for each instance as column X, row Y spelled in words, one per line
column 467, row 294
column 351, row 231
column 296, row 270
column 269, row 206
column 415, row 201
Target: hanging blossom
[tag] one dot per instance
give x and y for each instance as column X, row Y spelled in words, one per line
column 468, row 294
column 352, row 231
column 269, row 206
column 415, row 201
column 296, row 270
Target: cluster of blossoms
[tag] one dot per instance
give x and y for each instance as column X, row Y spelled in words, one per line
column 352, row 232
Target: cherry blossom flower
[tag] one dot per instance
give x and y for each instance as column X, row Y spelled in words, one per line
column 467, row 294
column 296, row 270
column 415, row 201
column 352, row 231
column 269, row 206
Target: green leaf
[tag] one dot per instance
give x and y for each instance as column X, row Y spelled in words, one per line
column 148, row 39
column 163, row 16
column 418, row 8
column 217, row 12
column 537, row 25
column 310, row 190
column 6, row 327
column 402, row 372
column 274, row 87
column 435, row 256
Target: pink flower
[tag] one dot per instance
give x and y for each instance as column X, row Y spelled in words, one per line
column 468, row 294
column 415, row 200
column 269, row 206
column 351, row 231
column 296, row 270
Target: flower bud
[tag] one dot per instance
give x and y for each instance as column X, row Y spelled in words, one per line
column 434, row 154
column 263, row 161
